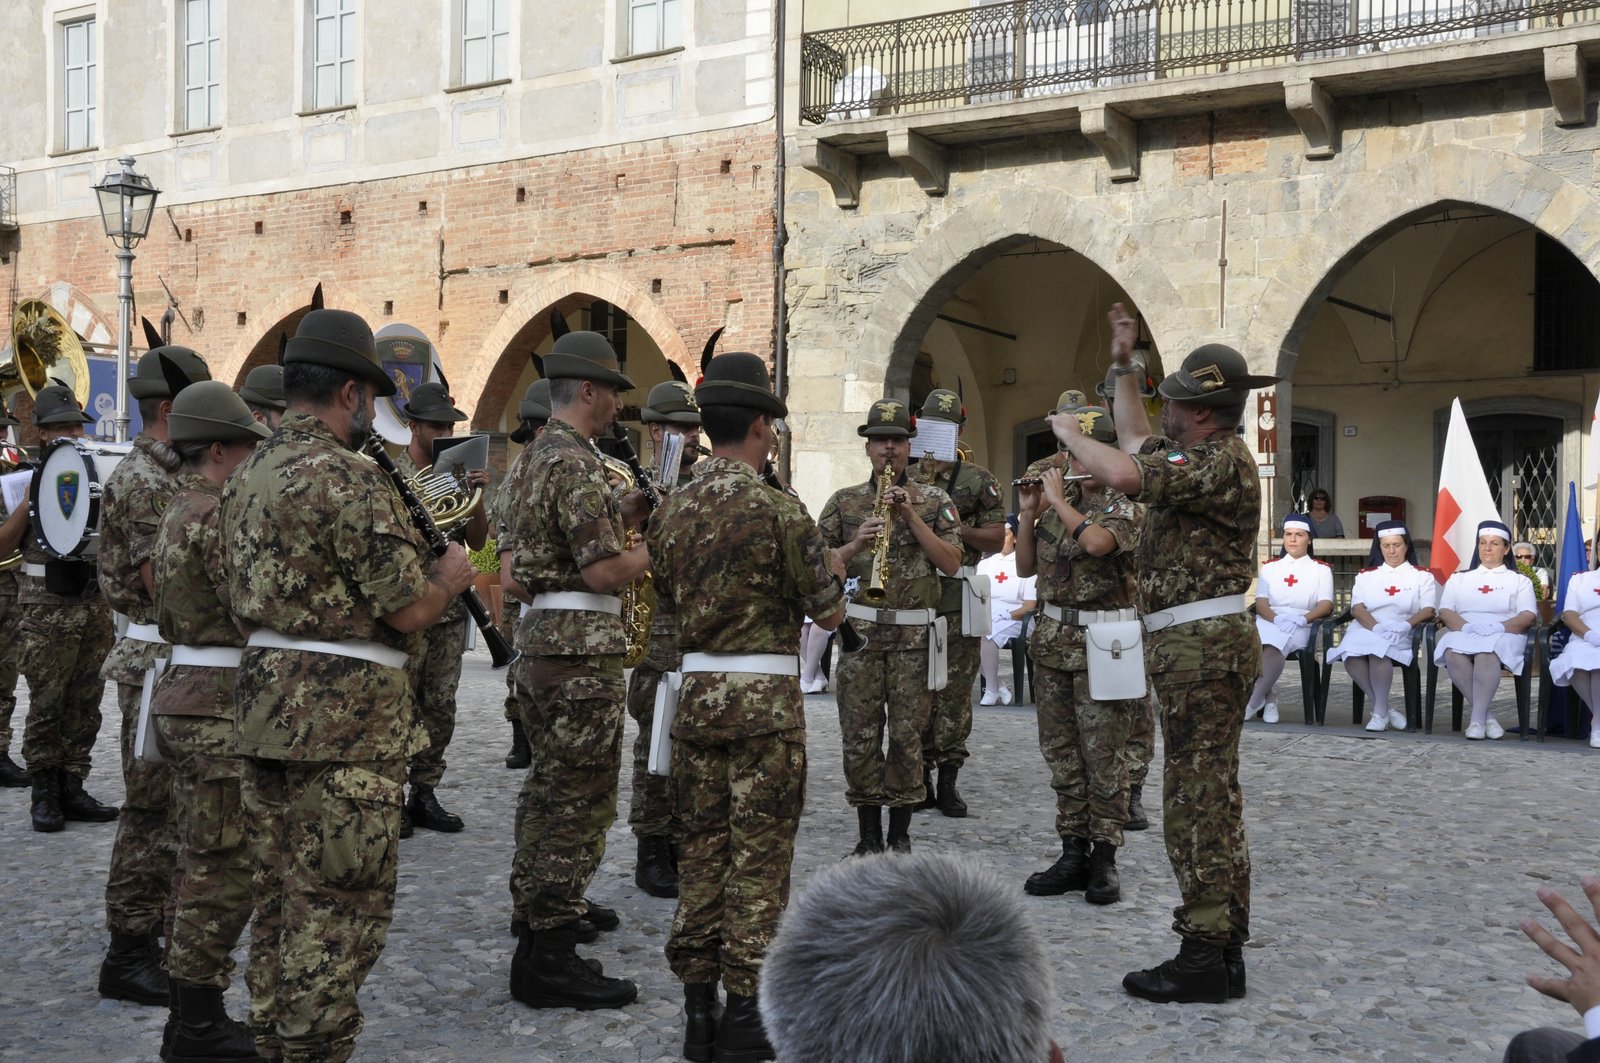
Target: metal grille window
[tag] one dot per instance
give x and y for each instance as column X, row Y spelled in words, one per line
column 485, row 41
column 202, row 63
column 1521, row 458
column 333, row 62
column 1566, row 309
column 79, row 84
column 654, row 25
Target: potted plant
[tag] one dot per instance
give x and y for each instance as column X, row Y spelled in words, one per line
column 487, row 581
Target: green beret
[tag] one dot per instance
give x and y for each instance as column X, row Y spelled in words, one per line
column 585, row 356
column 57, row 405
column 535, row 404
column 1213, row 375
column 209, row 412
column 148, row 381
column 942, row 404
column 671, row 402
column 264, row 387
column 431, row 402
column 739, row 378
column 339, row 340
column 889, row 417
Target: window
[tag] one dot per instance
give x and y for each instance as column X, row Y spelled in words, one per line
column 654, row 25
column 333, row 53
column 485, row 41
column 202, row 63
column 80, row 84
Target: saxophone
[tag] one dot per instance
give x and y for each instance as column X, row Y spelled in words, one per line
column 638, row 597
column 874, row 594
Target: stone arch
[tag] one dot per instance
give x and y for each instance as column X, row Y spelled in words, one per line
column 282, row 313
column 494, row 368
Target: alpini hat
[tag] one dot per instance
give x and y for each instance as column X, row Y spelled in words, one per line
column 264, row 387
column 339, row 340
column 209, row 412
column 56, row 405
column 942, row 404
column 888, row 417
column 739, row 378
column 148, row 380
column 1096, row 423
column 1071, row 399
column 585, row 356
column 535, row 404
column 431, row 402
column 671, row 402
column 1213, row 375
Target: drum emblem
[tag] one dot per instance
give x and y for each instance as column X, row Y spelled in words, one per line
column 67, row 492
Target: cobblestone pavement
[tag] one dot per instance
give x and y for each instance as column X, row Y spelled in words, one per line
column 1390, row 873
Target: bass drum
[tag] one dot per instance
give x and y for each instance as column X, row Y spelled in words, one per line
column 64, row 500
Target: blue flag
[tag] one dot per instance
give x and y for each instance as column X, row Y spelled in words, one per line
column 1571, row 562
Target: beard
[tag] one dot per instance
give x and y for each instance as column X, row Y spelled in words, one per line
column 361, row 427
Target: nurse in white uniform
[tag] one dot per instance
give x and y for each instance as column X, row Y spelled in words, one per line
column 1578, row 665
column 1487, row 609
column 1292, row 590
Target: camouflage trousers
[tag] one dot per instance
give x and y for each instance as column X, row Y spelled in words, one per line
column 510, row 613
column 9, row 618
column 878, row 692
column 325, row 842
column 141, row 885
column 1085, row 744
column 213, row 894
column 944, row 740
column 1203, row 806
column 650, row 812
column 569, row 797
column 1141, row 747
column 740, row 804
column 435, row 676
column 61, row 647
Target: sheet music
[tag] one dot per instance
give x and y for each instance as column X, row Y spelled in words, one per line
column 14, row 486
column 456, row 455
column 935, row 437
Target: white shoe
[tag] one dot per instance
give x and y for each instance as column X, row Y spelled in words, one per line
column 1270, row 713
column 1474, row 731
column 989, row 698
column 1493, row 729
column 1379, row 722
column 1250, row 714
column 1594, row 737
column 816, row 686
column 1397, row 719
column 1005, row 694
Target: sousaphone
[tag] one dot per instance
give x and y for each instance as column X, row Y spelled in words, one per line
column 44, row 350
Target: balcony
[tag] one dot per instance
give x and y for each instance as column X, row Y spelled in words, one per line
column 8, row 199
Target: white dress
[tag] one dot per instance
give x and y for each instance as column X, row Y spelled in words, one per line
column 1583, row 598
column 1391, row 593
column 1486, row 594
column 1007, row 592
column 1292, row 586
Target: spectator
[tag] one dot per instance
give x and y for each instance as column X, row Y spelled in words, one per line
column 1548, row 1044
column 1324, row 524
column 1487, row 609
column 1293, row 590
column 1011, row 599
column 1525, row 554
column 1578, row 664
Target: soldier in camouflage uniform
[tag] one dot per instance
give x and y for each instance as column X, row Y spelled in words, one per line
column 63, row 633
column 139, row 885
column 570, row 559
column 436, row 671
column 212, row 431
column 532, row 413
column 263, row 394
column 743, row 564
column 1082, row 551
column 976, row 494
column 326, row 572
column 11, row 773
column 1196, row 559
column 885, row 687
column 669, row 409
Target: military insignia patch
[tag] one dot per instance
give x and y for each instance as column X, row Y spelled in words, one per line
column 991, row 491
column 67, row 492
column 948, row 512
column 1176, row 457
column 887, row 411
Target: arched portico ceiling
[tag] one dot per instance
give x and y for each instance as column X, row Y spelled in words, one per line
column 284, row 311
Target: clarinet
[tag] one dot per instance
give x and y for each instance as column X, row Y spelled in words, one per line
column 641, row 478
column 501, row 652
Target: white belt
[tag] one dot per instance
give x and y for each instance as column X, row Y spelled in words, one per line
column 578, row 600
column 1084, row 617
column 360, row 649
column 36, row 571
column 206, row 656
column 143, row 633
column 898, row 617
column 526, row 609
column 749, row 663
column 1189, row 612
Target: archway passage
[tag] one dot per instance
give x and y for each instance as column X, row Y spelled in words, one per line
column 265, row 351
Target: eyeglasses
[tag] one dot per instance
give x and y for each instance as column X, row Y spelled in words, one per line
column 1524, row 557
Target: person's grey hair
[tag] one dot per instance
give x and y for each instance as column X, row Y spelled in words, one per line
column 1523, row 546
column 907, row 959
column 564, row 390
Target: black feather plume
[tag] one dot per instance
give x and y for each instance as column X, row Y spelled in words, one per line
column 152, row 335
column 558, row 325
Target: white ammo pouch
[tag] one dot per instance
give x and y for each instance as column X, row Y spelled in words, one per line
column 671, row 685
column 938, row 654
column 975, row 619
column 666, row 711
column 145, row 747
column 1115, row 656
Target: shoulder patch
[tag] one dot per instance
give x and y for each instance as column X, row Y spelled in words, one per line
column 948, row 512
column 991, row 491
column 1176, row 457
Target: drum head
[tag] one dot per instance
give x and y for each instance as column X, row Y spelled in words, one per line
column 65, row 497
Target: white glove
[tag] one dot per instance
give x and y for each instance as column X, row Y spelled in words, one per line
column 1485, row 628
column 1395, row 629
column 1592, row 637
column 1289, row 624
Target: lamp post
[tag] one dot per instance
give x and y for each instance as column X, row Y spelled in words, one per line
column 127, row 199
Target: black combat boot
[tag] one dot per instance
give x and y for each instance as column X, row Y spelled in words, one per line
column 869, row 818
column 701, row 1013
column 405, row 820
column 47, row 816
column 426, row 811
column 1104, row 886
column 1233, row 963
column 949, row 798
column 205, row 1033
column 1071, row 872
column 1195, row 976
column 930, row 796
column 1136, row 820
column 900, row 829
column 600, row 916
column 652, row 871
column 10, row 773
column 521, row 754
column 173, row 1017
column 132, row 971
column 550, row 974
column 77, row 805
column 586, row 932
column 740, row 1037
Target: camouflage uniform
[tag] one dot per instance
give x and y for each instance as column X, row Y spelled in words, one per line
column 1083, row 741
column 886, row 685
column 10, row 617
column 319, row 547
column 1199, row 542
column 976, row 494
column 500, row 517
column 566, row 519
column 745, row 565
column 62, row 640
column 140, row 885
column 193, row 710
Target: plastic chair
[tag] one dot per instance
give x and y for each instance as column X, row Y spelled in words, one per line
column 1410, row 675
column 1552, row 640
column 1022, row 662
column 1310, row 672
column 1522, row 684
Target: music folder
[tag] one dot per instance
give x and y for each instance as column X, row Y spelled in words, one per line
column 457, row 455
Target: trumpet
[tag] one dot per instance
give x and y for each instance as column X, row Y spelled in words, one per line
column 874, row 594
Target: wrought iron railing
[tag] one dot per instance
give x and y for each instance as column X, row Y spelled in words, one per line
column 1041, row 47
column 8, row 198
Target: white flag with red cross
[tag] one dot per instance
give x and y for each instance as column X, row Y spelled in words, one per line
column 1463, row 501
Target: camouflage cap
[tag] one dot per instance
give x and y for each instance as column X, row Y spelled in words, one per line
column 671, row 402
column 1213, row 375
column 1094, row 422
column 149, row 382
column 535, row 404
column 888, row 417
column 57, row 405
column 264, row 387
column 942, row 404
column 585, row 356
column 432, row 403
column 1070, row 399
column 209, row 412
column 339, row 340
column 739, row 378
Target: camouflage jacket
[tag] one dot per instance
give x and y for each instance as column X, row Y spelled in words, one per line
column 456, row 611
column 319, row 546
column 744, row 565
column 505, row 499
column 1199, row 542
column 976, row 494
column 1049, row 461
column 192, row 601
column 1072, row 578
column 566, row 518
column 135, row 496
column 912, row 580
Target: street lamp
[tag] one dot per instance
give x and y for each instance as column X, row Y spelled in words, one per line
column 127, row 199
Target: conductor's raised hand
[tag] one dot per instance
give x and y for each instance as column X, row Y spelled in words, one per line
column 1581, row 958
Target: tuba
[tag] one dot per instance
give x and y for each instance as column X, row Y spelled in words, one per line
column 44, row 350
column 638, row 597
